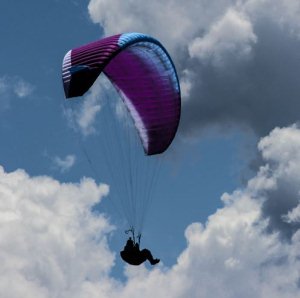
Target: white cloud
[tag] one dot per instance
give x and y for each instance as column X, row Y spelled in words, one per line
column 22, row 88
column 191, row 19
column 293, row 216
column 11, row 88
column 51, row 245
column 64, row 164
column 157, row 18
column 85, row 115
column 89, row 109
column 82, row 115
column 232, row 35
column 285, row 13
column 14, row 85
column 233, row 255
column 282, row 145
column 256, row 41
column 186, row 83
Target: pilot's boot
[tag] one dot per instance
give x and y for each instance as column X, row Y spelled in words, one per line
column 155, row 261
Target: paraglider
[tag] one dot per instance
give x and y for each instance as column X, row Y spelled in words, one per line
column 132, row 254
column 142, row 72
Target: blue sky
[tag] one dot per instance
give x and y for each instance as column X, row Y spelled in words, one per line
column 226, row 213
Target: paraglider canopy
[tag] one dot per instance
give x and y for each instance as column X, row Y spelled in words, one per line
column 143, row 73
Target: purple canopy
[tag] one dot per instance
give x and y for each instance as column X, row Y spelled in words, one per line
column 142, row 71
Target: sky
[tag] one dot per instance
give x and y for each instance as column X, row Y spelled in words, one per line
column 225, row 216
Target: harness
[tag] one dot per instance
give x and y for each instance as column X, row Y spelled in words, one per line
column 136, row 240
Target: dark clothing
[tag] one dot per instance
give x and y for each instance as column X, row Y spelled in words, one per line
column 134, row 256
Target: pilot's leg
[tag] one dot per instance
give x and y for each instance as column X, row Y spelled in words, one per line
column 146, row 254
